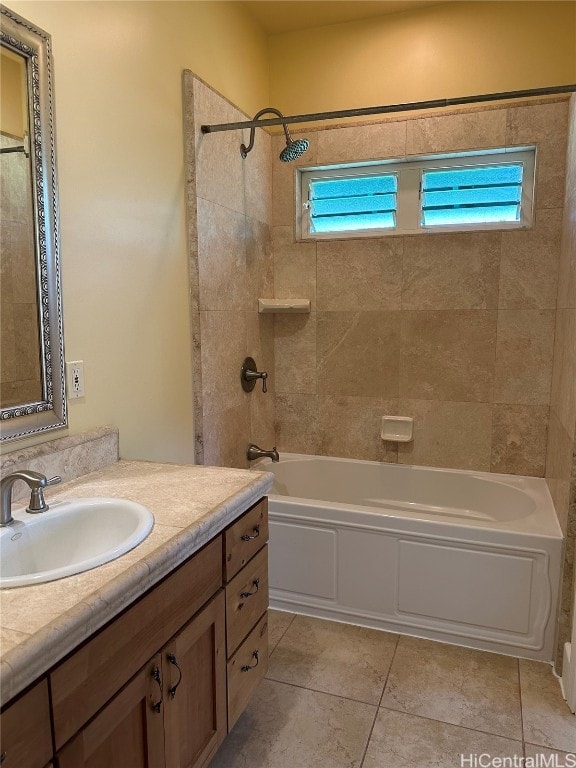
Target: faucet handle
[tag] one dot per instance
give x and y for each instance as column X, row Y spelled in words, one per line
column 249, row 373
column 37, row 503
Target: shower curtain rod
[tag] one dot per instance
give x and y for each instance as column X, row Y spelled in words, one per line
column 409, row 107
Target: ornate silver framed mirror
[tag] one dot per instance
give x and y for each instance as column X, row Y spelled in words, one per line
column 32, row 385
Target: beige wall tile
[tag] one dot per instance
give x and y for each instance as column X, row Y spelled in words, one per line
column 519, row 437
column 260, row 346
column 226, row 436
column 458, row 271
column 364, row 142
column 7, row 344
column 295, row 353
column 350, row 427
column 294, row 266
column 451, row 133
column 219, row 169
column 567, row 268
column 567, row 282
column 297, row 428
column 524, row 356
column 448, row 355
column 530, row 262
column 359, row 274
column 222, row 269
column 26, row 341
column 358, row 353
column 257, row 177
column 260, row 343
column 559, row 462
column 23, row 263
column 222, row 353
column 259, row 262
column 447, row 434
column 262, row 419
column 568, row 583
column 544, row 125
column 563, row 397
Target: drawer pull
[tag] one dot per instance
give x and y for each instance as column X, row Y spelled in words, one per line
column 172, row 690
column 248, row 537
column 256, row 584
column 2, row 757
column 248, row 667
column 156, row 676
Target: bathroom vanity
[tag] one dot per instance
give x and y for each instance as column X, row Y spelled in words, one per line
column 150, row 659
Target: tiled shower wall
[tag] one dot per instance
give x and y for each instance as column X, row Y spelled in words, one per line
column 19, row 343
column 455, row 330
column 229, row 214
column 561, row 460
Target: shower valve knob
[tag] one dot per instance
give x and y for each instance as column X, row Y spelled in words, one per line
column 249, row 374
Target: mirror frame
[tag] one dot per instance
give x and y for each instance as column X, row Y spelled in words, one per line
column 26, row 419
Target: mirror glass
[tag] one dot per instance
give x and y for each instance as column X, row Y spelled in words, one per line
column 32, row 393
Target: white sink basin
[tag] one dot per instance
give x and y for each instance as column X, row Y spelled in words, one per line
column 71, row 537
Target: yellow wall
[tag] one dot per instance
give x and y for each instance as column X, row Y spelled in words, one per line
column 449, row 50
column 118, row 72
column 13, row 103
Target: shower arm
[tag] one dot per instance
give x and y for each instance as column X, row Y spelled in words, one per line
column 408, row 107
column 254, row 123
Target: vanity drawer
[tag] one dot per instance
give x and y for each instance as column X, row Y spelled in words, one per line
column 25, row 737
column 244, row 538
column 245, row 670
column 246, row 599
column 83, row 683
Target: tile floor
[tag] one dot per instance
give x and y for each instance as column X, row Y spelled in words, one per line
column 339, row 696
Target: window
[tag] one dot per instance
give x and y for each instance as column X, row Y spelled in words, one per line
column 491, row 190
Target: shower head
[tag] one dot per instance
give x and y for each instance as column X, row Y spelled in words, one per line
column 291, row 151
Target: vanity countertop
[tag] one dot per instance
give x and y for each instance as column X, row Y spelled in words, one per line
column 40, row 624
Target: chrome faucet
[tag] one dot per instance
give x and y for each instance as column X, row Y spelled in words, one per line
column 37, row 483
column 257, row 453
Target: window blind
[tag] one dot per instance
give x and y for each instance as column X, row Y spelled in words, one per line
column 467, row 195
column 353, row 203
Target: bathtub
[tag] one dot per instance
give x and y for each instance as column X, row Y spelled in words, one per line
column 470, row 558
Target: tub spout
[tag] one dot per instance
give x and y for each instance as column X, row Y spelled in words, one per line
column 254, row 452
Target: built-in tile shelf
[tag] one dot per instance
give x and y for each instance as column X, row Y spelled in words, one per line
column 291, row 306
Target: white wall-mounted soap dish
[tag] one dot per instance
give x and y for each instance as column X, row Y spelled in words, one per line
column 397, row 429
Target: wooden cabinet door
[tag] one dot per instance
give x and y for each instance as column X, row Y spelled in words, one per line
column 26, row 740
column 194, row 673
column 128, row 731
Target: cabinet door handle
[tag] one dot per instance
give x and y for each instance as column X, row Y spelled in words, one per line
column 2, row 757
column 255, row 586
column 172, row 690
column 248, row 537
column 248, row 667
column 156, row 677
